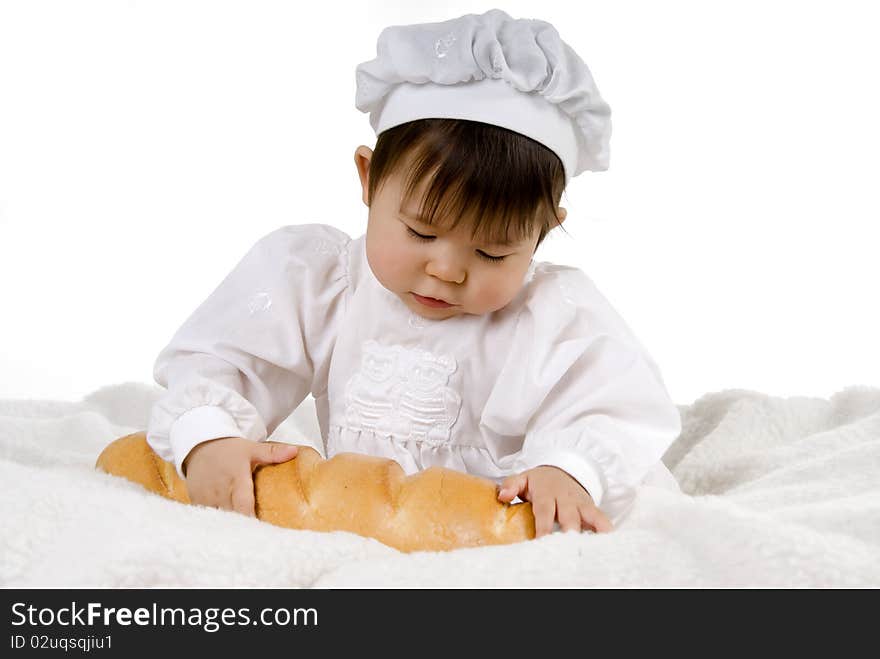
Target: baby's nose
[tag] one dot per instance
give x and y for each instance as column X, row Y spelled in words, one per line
column 447, row 268
column 453, row 277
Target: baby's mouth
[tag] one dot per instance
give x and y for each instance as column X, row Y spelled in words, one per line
column 431, row 301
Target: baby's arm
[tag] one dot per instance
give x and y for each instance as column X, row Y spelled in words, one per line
column 252, row 351
column 219, row 472
column 588, row 400
column 605, row 425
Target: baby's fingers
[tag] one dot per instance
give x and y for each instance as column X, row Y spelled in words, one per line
column 243, row 495
column 595, row 519
column 513, row 486
column 266, row 453
column 241, row 492
column 569, row 517
column 544, row 510
column 210, row 495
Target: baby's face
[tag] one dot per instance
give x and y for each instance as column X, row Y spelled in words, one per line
column 472, row 277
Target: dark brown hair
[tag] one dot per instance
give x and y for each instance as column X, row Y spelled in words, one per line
column 504, row 183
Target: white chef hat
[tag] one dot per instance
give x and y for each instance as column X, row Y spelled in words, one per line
column 491, row 68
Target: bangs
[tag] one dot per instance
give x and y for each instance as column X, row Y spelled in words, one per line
column 501, row 184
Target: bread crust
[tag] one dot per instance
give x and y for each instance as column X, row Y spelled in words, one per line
column 437, row 509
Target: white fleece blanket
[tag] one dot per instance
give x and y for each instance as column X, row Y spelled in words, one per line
column 776, row 493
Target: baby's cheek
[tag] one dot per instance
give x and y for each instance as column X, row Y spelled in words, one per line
column 495, row 295
column 386, row 262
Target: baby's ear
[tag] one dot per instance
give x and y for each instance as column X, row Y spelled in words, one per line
column 362, row 157
column 561, row 214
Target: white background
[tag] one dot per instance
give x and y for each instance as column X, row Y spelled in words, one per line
column 144, row 146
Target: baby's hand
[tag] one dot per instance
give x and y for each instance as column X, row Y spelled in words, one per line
column 219, row 472
column 554, row 494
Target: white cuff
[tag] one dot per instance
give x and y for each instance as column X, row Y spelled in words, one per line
column 582, row 469
column 196, row 426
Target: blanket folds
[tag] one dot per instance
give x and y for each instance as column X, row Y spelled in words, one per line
column 776, row 492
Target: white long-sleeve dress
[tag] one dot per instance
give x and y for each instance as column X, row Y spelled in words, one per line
column 554, row 378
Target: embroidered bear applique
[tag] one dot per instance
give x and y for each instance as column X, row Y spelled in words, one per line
column 403, row 392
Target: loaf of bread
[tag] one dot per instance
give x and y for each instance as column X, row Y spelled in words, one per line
column 436, row 509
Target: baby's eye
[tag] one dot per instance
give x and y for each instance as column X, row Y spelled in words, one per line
column 489, row 257
column 419, row 236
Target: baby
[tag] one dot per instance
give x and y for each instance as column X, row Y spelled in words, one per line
column 435, row 338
